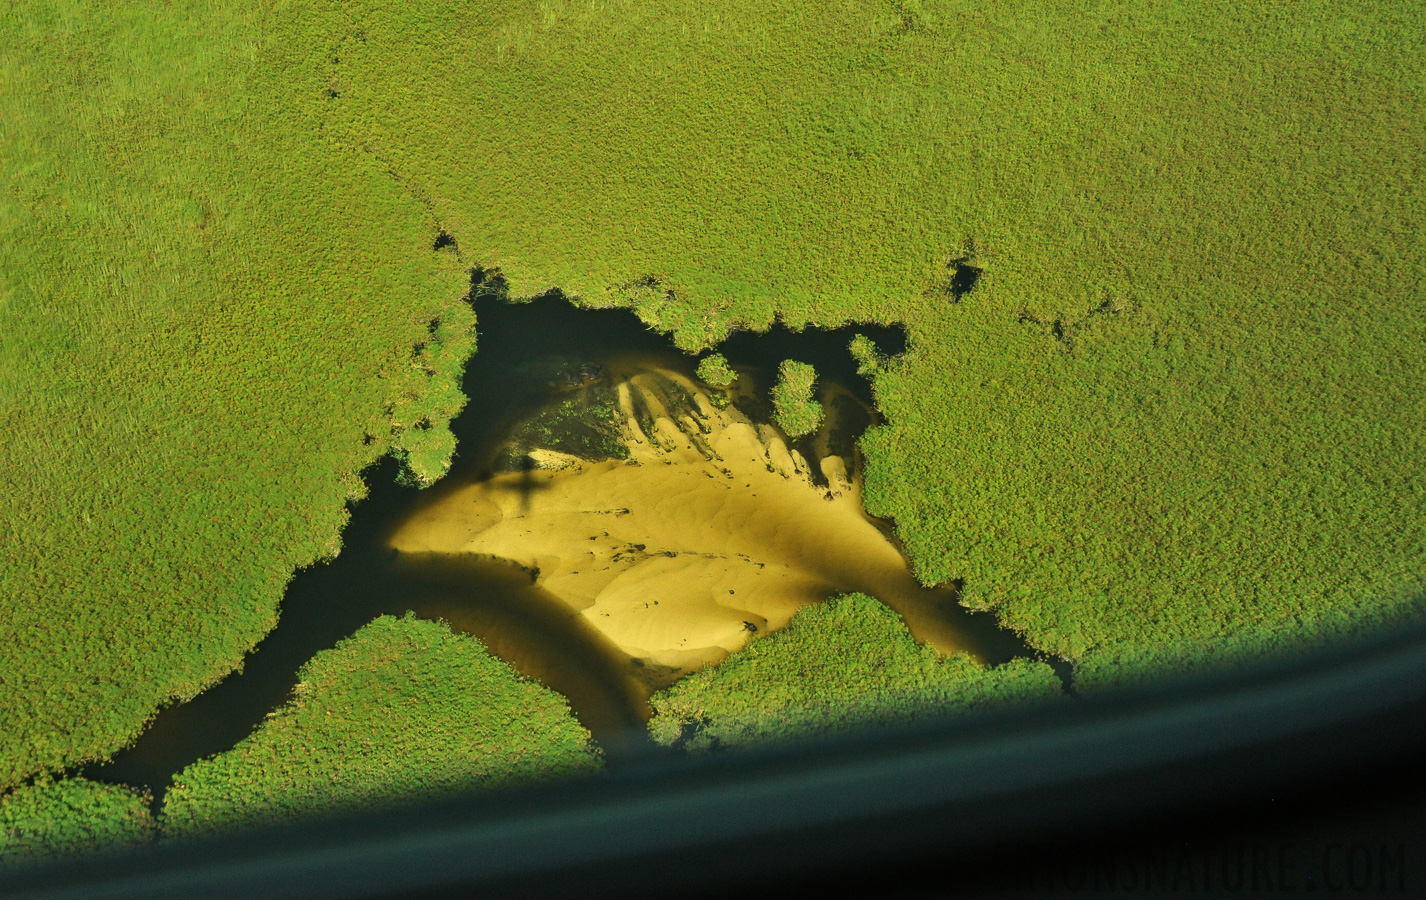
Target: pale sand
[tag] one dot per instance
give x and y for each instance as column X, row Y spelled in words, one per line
column 711, row 529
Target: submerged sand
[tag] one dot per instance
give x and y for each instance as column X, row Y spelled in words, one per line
column 712, row 530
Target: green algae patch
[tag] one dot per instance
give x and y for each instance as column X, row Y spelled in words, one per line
column 404, row 709
column 843, row 665
column 45, row 820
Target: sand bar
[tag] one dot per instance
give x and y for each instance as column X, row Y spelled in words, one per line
column 711, row 531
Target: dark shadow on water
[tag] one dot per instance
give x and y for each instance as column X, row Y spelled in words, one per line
column 523, row 349
column 994, row 645
column 1064, row 671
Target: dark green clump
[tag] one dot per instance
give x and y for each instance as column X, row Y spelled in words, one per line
column 404, row 709
column 842, row 665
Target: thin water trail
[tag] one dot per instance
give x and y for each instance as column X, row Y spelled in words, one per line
column 609, row 525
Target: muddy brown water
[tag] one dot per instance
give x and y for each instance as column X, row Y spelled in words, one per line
column 529, row 357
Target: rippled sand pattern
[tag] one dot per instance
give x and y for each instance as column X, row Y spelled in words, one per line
column 712, row 530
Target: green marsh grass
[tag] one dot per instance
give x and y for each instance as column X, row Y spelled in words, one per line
column 46, row 820
column 212, row 320
column 1179, row 415
column 714, row 370
column 1178, row 411
column 403, row 710
column 840, row 666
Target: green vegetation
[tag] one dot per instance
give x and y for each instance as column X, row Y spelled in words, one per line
column 1178, row 408
column 838, row 666
column 1178, row 415
column 793, row 407
column 402, row 709
column 48, row 819
column 714, row 370
column 212, row 319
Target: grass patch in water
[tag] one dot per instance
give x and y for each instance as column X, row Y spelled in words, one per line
column 794, row 410
column 404, row 709
column 715, row 371
column 842, row 665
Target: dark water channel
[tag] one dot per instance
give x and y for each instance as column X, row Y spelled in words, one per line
column 521, row 348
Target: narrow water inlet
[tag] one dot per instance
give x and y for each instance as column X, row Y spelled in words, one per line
column 609, row 525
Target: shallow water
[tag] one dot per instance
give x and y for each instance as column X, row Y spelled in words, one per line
column 566, row 614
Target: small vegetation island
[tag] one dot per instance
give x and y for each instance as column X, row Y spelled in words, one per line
column 1159, row 267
